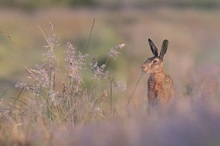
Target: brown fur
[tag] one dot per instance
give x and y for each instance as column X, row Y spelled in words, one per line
column 160, row 88
column 160, row 85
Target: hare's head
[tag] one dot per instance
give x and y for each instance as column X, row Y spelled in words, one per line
column 155, row 63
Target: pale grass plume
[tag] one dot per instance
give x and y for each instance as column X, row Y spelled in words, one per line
column 75, row 64
column 100, row 70
column 115, row 51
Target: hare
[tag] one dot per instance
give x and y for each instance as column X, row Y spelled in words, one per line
column 160, row 85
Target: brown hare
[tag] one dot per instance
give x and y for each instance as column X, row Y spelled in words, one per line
column 160, row 85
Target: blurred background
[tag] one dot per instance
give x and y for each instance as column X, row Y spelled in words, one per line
column 191, row 26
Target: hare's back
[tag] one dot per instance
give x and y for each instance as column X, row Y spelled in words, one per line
column 166, row 91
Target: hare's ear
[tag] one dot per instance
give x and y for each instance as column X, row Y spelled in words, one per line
column 153, row 47
column 164, row 48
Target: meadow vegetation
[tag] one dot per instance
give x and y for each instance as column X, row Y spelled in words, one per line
column 69, row 82
column 112, row 4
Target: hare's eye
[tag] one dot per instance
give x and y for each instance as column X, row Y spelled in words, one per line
column 155, row 61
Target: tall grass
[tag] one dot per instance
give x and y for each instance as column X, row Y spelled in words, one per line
column 76, row 91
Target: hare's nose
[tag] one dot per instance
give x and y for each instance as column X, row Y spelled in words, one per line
column 142, row 67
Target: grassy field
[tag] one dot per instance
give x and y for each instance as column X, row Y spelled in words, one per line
column 60, row 84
